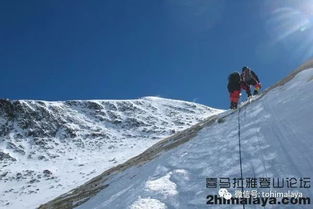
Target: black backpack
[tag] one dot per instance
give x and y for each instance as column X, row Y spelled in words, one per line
column 234, row 78
column 234, row 82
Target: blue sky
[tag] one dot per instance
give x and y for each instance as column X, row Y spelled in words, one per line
column 124, row 49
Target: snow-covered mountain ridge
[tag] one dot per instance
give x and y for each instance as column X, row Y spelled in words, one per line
column 48, row 148
column 276, row 137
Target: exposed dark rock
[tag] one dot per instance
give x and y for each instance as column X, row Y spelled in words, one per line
column 6, row 157
column 6, row 109
column 93, row 105
column 47, row 173
column 2, row 175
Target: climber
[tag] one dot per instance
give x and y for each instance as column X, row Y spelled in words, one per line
column 248, row 77
column 234, row 89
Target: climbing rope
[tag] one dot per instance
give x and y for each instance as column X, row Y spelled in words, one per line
column 240, row 160
column 262, row 154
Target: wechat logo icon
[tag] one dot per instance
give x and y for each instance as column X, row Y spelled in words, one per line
column 224, row 193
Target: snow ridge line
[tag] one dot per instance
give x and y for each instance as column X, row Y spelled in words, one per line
column 83, row 193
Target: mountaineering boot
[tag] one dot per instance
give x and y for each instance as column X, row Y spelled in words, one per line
column 255, row 92
column 233, row 105
column 249, row 93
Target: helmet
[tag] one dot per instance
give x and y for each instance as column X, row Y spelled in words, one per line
column 245, row 68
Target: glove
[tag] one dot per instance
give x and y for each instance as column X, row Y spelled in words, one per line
column 258, row 86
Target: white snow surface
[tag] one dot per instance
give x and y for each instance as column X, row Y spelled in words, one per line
column 49, row 148
column 276, row 139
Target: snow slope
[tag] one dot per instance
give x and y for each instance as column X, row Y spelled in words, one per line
column 276, row 141
column 49, row 148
